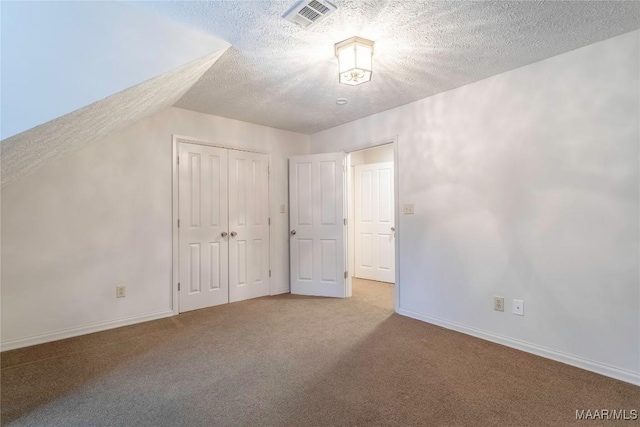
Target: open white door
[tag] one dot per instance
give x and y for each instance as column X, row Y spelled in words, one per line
column 374, row 222
column 316, row 223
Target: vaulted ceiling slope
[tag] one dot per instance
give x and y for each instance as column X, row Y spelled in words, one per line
column 58, row 57
column 72, row 72
column 282, row 76
column 26, row 151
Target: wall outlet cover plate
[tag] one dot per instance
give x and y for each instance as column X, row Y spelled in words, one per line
column 121, row 291
column 518, row 307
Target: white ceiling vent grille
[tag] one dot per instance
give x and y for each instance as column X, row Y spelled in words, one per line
column 307, row 13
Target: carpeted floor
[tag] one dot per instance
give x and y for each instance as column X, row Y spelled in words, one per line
column 296, row 361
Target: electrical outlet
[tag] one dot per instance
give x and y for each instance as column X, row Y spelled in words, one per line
column 408, row 209
column 121, row 291
column 498, row 303
column 518, row 307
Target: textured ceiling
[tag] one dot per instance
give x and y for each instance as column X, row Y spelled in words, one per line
column 23, row 153
column 279, row 75
column 282, row 76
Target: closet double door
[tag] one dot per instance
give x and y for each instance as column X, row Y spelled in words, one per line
column 223, row 225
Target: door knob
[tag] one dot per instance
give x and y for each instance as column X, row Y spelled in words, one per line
column 234, row 234
column 393, row 229
column 293, row 232
column 223, row 234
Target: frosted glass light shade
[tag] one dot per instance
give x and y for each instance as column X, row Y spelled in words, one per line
column 354, row 60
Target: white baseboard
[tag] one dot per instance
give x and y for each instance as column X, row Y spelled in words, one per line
column 280, row 291
column 589, row 365
column 82, row 330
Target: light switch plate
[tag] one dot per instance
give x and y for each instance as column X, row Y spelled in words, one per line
column 408, row 209
column 282, row 208
column 518, row 307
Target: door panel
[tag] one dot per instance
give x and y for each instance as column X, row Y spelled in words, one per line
column 374, row 222
column 316, row 193
column 194, row 268
column 329, row 260
column 214, row 265
column 304, row 208
column 248, row 225
column 202, row 206
column 305, row 259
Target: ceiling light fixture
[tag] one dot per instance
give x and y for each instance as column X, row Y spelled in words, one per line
column 354, row 60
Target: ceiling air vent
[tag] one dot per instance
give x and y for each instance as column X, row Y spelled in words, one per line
column 308, row 13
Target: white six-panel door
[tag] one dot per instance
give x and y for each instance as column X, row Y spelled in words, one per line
column 203, row 213
column 223, row 208
column 374, row 222
column 316, row 215
column 248, row 225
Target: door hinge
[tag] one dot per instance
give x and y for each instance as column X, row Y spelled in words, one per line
column 178, row 223
column 345, row 275
column 178, row 286
column 178, row 159
column 269, row 221
column 269, row 273
column 345, row 221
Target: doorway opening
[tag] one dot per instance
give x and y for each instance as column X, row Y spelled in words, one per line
column 326, row 219
column 372, row 224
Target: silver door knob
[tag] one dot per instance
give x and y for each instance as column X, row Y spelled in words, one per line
column 223, row 234
column 393, row 229
column 234, row 234
column 293, row 232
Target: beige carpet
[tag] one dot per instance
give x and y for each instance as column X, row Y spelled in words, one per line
column 296, row 361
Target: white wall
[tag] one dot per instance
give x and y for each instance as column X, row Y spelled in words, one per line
column 381, row 154
column 525, row 185
column 357, row 158
column 101, row 216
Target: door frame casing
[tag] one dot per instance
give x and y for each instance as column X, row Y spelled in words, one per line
column 175, row 236
column 392, row 140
